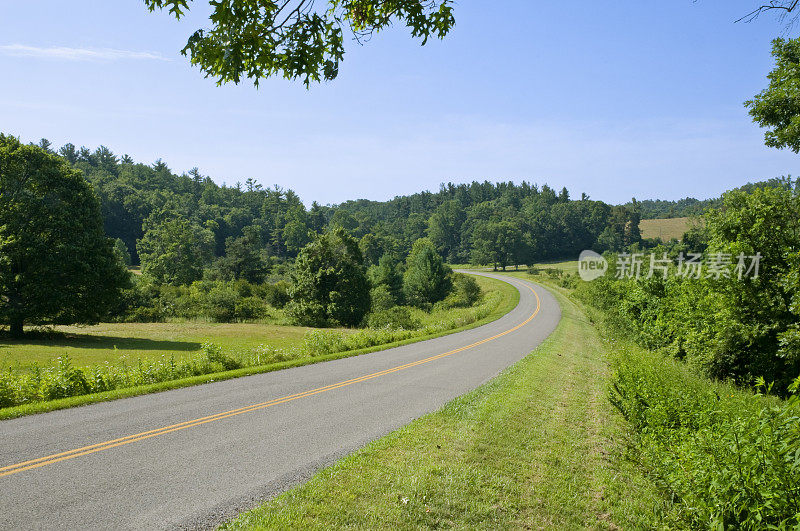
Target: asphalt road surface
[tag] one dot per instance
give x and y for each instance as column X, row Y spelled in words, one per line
column 194, row 457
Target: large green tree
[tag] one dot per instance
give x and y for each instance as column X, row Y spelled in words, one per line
column 427, row 279
column 245, row 258
column 777, row 107
column 299, row 39
column 498, row 242
column 175, row 250
column 329, row 282
column 56, row 264
column 444, row 229
column 756, row 318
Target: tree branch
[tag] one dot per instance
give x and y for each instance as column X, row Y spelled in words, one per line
column 787, row 6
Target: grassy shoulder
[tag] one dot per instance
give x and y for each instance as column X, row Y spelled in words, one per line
column 318, row 346
column 537, row 447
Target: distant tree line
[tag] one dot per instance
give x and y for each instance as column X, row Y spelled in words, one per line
column 689, row 206
column 230, row 253
column 501, row 224
column 180, row 228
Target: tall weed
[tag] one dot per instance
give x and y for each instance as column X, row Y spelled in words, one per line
column 730, row 458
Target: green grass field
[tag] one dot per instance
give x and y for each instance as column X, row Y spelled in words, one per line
column 666, row 229
column 110, row 342
column 538, row 447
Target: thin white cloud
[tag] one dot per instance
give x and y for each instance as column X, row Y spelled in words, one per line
column 77, row 54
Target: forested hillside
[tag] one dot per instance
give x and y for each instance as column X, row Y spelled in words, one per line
column 239, row 231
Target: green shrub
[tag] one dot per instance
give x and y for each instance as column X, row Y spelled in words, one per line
column 277, row 294
column 266, row 354
column 145, row 315
column 215, row 300
column 249, row 308
column 8, row 395
column 394, row 318
column 554, row 272
column 381, row 298
column 243, row 288
column 319, row 342
column 220, row 304
column 569, row 281
column 464, row 293
column 65, row 381
column 214, row 354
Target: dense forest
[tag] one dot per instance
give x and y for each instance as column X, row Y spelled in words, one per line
column 240, row 231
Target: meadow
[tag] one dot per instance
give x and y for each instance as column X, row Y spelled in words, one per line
column 666, row 229
column 114, row 342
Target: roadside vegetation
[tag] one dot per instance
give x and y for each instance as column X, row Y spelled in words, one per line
column 727, row 456
column 26, row 389
column 538, row 447
column 728, row 320
column 705, row 367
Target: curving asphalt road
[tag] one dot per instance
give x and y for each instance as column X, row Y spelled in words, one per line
column 194, row 457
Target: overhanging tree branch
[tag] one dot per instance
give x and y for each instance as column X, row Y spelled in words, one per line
column 298, row 39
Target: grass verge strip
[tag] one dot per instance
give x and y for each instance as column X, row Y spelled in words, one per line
column 535, row 447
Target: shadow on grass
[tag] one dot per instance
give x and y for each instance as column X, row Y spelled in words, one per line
column 60, row 339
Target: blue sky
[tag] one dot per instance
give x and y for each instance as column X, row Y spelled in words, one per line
column 615, row 99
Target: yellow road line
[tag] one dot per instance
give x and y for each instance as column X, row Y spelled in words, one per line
column 77, row 452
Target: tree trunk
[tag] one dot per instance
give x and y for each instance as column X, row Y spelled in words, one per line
column 16, row 328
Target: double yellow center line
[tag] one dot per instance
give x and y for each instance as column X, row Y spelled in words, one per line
column 99, row 447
